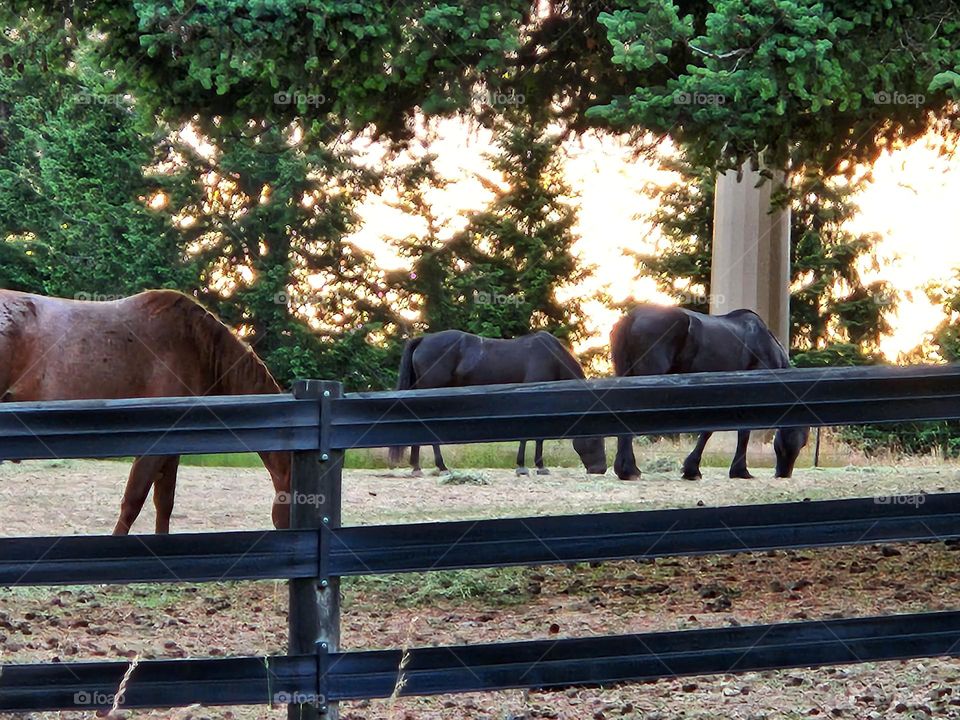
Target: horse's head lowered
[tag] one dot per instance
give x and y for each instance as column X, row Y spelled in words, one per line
column 787, row 444
column 592, row 453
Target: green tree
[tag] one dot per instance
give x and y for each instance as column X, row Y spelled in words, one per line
column 501, row 275
column 945, row 339
column 268, row 240
column 20, row 268
column 99, row 200
column 72, row 180
column 920, row 438
column 829, row 81
column 362, row 63
column 684, row 216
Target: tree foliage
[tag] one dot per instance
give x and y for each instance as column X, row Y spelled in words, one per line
column 100, row 200
column 72, row 184
column 501, row 276
column 831, row 81
column 268, row 240
column 360, row 64
column 90, row 92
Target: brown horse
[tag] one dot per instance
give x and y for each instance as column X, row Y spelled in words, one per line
column 159, row 343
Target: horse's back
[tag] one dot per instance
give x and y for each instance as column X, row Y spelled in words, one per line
column 738, row 340
column 70, row 350
column 657, row 339
column 454, row 358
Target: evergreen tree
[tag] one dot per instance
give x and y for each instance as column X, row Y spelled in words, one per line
column 98, row 201
column 20, row 268
column 500, row 276
column 270, row 218
column 681, row 261
column 72, row 180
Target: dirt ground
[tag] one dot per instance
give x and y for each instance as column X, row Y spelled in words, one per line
column 70, row 624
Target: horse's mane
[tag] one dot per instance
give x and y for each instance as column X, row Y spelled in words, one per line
column 232, row 365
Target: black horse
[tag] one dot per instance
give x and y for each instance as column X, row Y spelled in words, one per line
column 656, row 340
column 455, row 359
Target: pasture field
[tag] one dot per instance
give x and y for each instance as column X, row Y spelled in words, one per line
column 75, row 623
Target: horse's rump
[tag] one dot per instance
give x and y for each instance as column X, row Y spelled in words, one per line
column 651, row 340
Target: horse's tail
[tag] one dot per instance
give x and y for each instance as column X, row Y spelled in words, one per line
column 619, row 346
column 407, row 378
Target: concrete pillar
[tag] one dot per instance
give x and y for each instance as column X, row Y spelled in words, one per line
column 751, row 250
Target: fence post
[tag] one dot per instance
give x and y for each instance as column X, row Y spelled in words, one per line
column 315, row 503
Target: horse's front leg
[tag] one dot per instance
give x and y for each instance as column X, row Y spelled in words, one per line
column 538, row 459
column 738, row 468
column 522, row 459
column 625, row 466
column 691, row 465
column 164, row 492
column 438, row 460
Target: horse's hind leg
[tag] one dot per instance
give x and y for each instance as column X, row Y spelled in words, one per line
column 691, row 465
column 538, row 459
column 738, row 468
column 438, row 459
column 143, row 473
column 5, row 396
column 164, row 491
column 521, row 459
column 415, row 461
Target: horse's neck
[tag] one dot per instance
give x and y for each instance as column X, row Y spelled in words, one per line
column 241, row 372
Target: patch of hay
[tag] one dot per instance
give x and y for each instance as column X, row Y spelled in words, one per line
column 464, row 477
column 660, row 465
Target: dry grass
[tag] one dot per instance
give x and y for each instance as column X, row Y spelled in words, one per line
column 69, row 624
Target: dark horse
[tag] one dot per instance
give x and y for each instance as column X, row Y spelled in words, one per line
column 159, row 343
column 454, row 359
column 656, row 340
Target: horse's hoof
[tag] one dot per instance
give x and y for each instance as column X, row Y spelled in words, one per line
column 543, row 471
column 692, row 476
column 741, row 476
column 416, row 473
column 630, row 478
column 522, row 471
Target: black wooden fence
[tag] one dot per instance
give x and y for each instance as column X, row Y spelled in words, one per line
column 317, row 423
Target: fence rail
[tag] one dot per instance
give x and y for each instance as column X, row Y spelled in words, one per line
column 427, row 547
column 156, row 426
column 318, row 423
